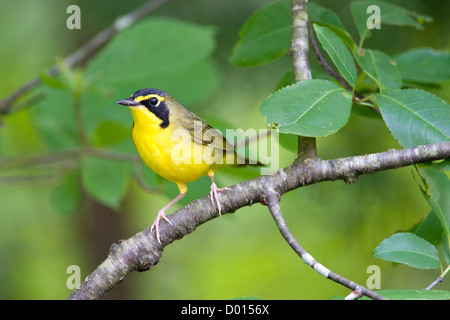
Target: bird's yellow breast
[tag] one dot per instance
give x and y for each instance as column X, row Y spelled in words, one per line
column 162, row 151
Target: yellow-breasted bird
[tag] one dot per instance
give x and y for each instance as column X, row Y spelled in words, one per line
column 177, row 144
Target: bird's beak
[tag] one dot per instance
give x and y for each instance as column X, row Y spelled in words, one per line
column 129, row 103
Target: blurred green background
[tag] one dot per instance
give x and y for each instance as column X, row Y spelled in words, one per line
column 235, row 255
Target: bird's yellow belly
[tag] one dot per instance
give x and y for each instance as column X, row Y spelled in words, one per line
column 165, row 156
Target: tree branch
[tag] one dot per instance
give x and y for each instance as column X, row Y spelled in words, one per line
column 143, row 250
column 273, row 202
column 86, row 51
column 299, row 45
column 300, row 61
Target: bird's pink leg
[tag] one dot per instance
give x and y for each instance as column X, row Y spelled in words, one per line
column 213, row 195
column 162, row 215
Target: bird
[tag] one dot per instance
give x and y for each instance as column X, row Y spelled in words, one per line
column 178, row 145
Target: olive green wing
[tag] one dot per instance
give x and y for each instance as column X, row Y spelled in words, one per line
column 202, row 133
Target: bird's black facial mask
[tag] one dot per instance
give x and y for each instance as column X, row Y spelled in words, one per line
column 158, row 107
column 153, row 100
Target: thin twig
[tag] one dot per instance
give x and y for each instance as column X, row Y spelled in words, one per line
column 434, row 283
column 86, row 51
column 28, row 178
column 272, row 198
column 438, row 279
column 11, row 163
column 72, row 155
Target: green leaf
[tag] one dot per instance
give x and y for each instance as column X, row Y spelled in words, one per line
column 66, row 197
column 327, row 18
column 429, row 229
column 424, row 65
column 360, row 16
column 393, row 14
column 105, row 180
column 110, row 132
column 52, row 82
column 409, row 249
column 415, row 117
column 132, row 55
column 53, row 118
column 438, row 195
column 312, row 108
column 389, row 14
column 380, row 67
column 265, row 36
column 446, row 248
column 319, row 14
column 338, row 53
column 411, row 294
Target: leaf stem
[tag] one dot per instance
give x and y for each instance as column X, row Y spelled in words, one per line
column 362, row 100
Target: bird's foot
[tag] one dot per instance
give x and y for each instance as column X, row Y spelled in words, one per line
column 213, row 196
column 155, row 225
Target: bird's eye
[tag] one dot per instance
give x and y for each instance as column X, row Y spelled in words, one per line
column 153, row 101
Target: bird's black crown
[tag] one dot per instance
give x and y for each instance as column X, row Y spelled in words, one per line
column 148, row 91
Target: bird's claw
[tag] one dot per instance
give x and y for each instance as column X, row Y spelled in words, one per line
column 214, row 197
column 155, row 224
